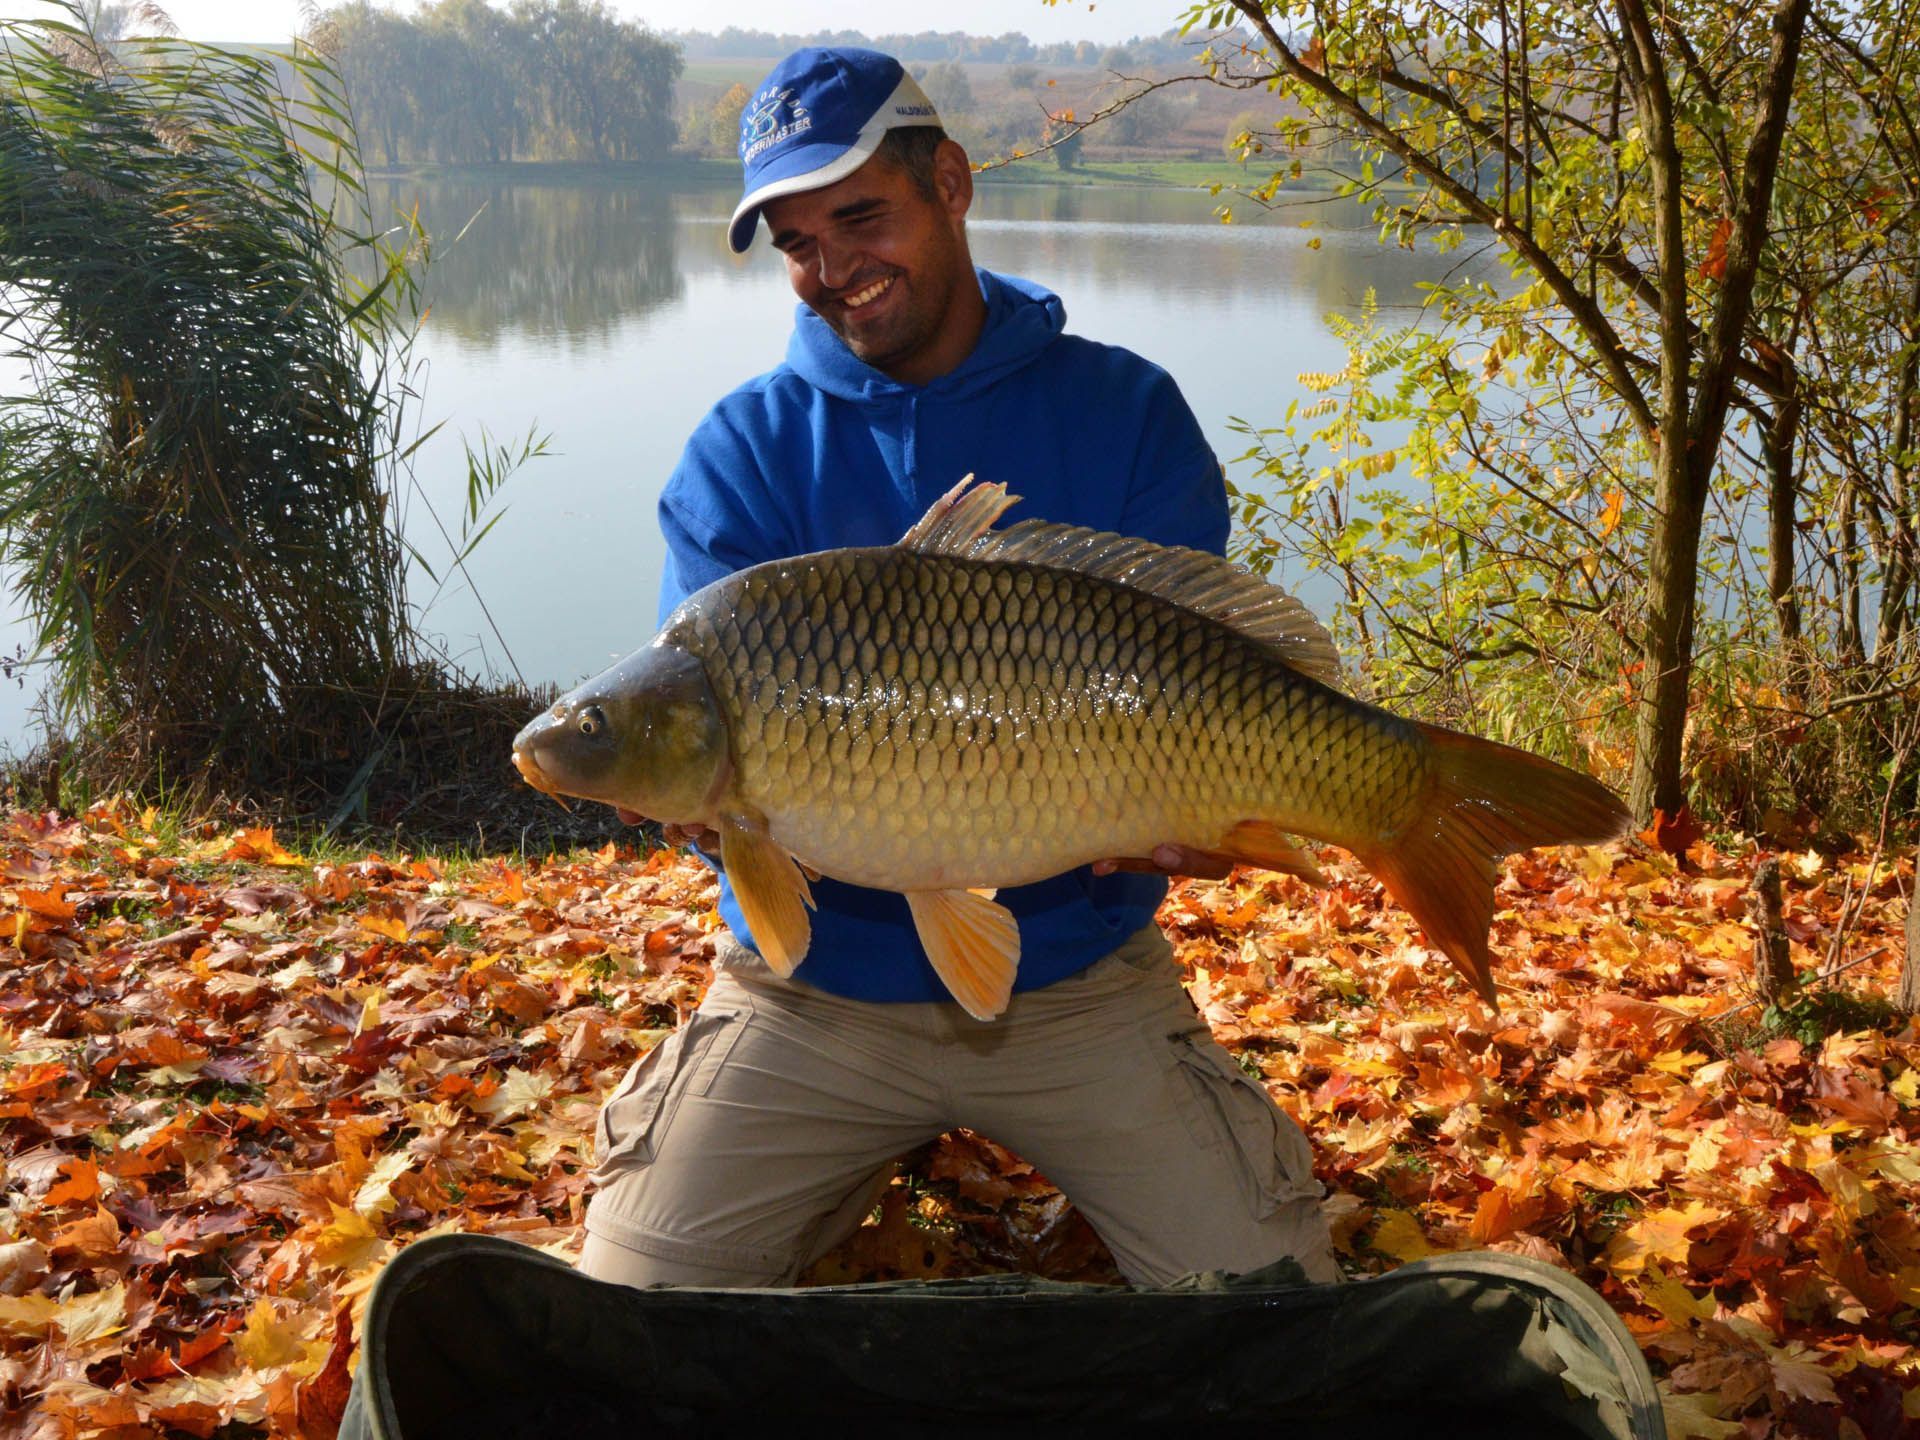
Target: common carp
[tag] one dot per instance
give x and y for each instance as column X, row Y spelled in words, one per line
column 976, row 708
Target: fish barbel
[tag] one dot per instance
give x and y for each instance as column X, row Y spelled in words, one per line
column 975, row 708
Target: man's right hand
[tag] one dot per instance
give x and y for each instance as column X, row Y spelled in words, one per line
column 696, row 835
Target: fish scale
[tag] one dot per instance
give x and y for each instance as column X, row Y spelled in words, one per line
column 976, row 708
column 942, row 701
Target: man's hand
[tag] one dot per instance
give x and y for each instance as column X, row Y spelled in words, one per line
column 1172, row 860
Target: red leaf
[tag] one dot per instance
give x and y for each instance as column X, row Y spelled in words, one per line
column 1674, row 833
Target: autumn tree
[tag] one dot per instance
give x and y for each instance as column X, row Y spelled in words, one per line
column 1654, row 345
column 723, row 119
column 463, row 81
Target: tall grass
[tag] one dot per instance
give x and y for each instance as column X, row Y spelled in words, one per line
column 195, row 489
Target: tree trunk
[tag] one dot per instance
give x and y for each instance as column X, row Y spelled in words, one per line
column 1902, row 559
column 1909, row 997
column 1693, row 407
column 1780, row 443
column 1679, row 493
column 1772, row 965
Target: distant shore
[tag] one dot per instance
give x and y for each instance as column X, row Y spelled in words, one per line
column 1035, row 170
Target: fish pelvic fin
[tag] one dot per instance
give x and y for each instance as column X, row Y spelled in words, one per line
column 1260, row 843
column 1485, row 800
column 773, row 894
column 973, row 945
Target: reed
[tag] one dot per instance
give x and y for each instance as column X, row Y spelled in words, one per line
column 197, row 486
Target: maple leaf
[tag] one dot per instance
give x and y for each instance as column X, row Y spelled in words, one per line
column 349, row 1242
column 1659, row 1235
column 1696, row 1416
column 518, row 1093
column 1398, row 1234
column 268, row 1340
column 375, row 1195
column 259, row 847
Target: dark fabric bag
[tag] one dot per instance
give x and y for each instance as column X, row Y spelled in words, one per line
column 470, row 1335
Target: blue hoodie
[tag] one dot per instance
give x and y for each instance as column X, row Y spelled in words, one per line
column 826, row 451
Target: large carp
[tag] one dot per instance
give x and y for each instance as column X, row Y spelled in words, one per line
column 975, row 708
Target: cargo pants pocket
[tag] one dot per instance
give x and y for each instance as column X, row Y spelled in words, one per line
column 1224, row 1106
column 635, row 1117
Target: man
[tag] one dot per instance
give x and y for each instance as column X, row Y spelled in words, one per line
column 755, row 1138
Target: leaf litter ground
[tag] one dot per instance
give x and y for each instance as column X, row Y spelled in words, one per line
column 233, row 1082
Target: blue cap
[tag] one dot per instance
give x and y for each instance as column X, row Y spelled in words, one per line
column 818, row 117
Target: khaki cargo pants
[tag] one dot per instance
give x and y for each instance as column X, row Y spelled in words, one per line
column 748, row 1142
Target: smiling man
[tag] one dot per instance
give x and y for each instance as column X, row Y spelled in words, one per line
column 755, row 1137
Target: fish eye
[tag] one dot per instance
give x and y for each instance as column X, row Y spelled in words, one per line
column 591, row 720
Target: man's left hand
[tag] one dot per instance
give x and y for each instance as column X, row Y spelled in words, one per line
column 1171, row 860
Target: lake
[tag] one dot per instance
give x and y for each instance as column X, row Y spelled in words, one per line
column 610, row 317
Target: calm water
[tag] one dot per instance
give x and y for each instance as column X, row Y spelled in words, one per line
column 612, row 318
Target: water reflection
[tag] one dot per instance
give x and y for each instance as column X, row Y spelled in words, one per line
column 565, row 263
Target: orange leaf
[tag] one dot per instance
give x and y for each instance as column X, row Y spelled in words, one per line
column 1714, row 267
column 93, row 1238
column 82, row 1184
column 52, row 904
column 389, row 926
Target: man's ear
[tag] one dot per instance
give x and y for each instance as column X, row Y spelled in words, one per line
column 952, row 179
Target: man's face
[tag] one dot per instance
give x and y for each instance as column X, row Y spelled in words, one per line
column 885, row 266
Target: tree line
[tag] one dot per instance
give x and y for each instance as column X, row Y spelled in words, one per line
column 931, row 46
column 460, row 81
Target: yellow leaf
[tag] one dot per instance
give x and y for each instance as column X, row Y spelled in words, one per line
column 26, row 1316
column 518, row 1093
column 1675, row 1062
column 1676, row 1304
column 1696, row 1416
column 1610, row 517
column 375, row 1195
column 93, row 1317
column 1595, row 862
column 1906, row 1089
column 267, row 1340
column 349, row 1242
column 1398, row 1234
column 1658, row 1235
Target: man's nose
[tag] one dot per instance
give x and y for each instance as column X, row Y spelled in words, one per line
column 837, row 264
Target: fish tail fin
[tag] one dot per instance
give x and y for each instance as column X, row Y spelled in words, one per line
column 1485, row 800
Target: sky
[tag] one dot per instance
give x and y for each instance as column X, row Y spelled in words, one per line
column 1104, row 21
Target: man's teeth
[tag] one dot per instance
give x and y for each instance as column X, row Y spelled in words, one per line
column 872, row 292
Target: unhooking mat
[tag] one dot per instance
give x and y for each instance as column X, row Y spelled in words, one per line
column 473, row 1336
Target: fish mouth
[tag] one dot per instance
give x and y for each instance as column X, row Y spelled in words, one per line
column 531, row 772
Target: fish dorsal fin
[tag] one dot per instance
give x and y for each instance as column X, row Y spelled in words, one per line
column 1193, row 579
column 964, row 513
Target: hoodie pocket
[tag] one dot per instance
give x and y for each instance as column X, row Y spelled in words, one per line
column 635, row 1117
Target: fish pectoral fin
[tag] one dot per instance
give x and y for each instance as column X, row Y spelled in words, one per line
column 772, row 892
column 1261, row 843
column 973, row 945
